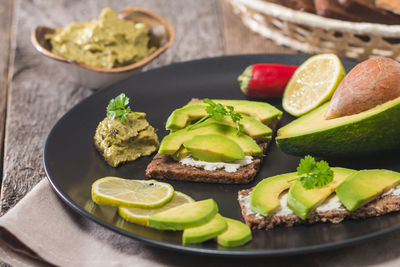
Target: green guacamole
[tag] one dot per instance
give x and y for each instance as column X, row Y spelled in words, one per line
column 109, row 42
column 121, row 142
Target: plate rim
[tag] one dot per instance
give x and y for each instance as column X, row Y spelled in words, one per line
column 195, row 250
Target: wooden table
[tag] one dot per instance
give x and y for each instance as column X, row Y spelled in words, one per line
column 34, row 94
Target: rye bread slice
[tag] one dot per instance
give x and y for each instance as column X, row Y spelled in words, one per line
column 381, row 206
column 165, row 167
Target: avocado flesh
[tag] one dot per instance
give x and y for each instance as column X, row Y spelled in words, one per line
column 264, row 198
column 370, row 131
column 302, row 201
column 252, row 127
column 172, row 142
column 263, row 112
column 185, row 216
column 204, row 232
column 364, row 186
column 236, row 235
column 180, row 154
column 214, row 148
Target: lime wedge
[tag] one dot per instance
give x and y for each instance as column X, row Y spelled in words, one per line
column 131, row 193
column 141, row 216
column 313, row 83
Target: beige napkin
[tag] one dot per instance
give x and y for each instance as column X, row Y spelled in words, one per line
column 40, row 230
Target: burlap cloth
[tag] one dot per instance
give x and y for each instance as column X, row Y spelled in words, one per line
column 41, row 230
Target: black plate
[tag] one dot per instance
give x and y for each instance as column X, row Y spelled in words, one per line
column 72, row 162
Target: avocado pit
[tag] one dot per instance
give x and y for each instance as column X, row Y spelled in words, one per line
column 369, row 84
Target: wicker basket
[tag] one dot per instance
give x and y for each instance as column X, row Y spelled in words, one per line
column 310, row 33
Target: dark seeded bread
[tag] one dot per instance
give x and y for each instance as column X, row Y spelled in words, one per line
column 165, row 167
column 378, row 207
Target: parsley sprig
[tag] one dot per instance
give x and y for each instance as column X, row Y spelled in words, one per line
column 219, row 111
column 118, row 108
column 314, row 173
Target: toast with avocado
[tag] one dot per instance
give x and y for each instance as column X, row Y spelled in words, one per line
column 351, row 195
column 213, row 141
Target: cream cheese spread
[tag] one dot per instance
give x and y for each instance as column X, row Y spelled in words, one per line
column 393, row 191
column 212, row 166
column 332, row 203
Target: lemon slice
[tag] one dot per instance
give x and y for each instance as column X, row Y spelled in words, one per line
column 141, row 216
column 313, row 83
column 131, row 193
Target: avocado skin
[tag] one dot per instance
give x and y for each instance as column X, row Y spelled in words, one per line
column 303, row 201
column 204, row 232
column 171, row 224
column 377, row 132
column 364, row 186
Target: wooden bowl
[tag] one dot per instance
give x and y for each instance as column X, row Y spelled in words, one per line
column 161, row 36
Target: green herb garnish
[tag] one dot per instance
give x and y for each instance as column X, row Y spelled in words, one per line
column 219, row 111
column 314, row 174
column 118, row 108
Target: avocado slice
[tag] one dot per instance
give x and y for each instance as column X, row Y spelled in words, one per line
column 185, row 216
column 214, row 148
column 204, row 232
column 252, row 127
column 264, row 199
column 182, row 117
column 236, row 235
column 377, row 129
column 302, row 201
column 180, row 154
column 172, row 142
column 364, row 186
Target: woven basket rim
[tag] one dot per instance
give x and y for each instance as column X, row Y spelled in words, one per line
column 313, row 20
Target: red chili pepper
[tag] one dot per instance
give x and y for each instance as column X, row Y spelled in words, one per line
column 265, row 80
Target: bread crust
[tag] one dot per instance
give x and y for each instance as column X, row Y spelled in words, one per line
column 165, row 167
column 381, row 206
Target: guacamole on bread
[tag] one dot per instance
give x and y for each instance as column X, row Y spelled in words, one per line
column 120, row 142
column 108, row 42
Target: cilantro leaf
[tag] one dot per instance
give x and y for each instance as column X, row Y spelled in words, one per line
column 314, row 174
column 118, row 108
column 219, row 111
column 306, row 165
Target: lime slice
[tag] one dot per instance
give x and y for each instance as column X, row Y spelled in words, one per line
column 131, row 193
column 313, row 83
column 141, row 216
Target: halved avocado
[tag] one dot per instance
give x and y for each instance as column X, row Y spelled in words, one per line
column 214, row 148
column 185, row 216
column 374, row 130
column 236, row 235
column 182, row 117
column 172, row 142
column 264, row 198
column 302, row 201
column 364, row 186
column 206, row 231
